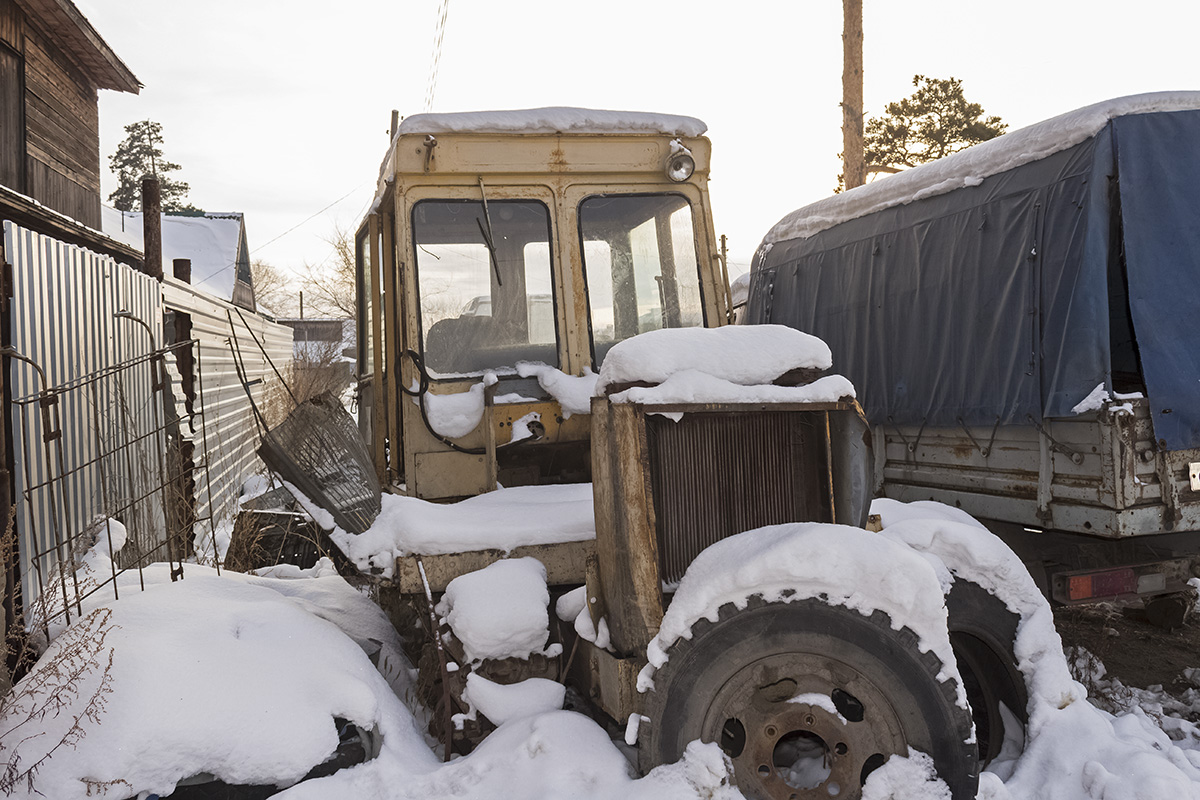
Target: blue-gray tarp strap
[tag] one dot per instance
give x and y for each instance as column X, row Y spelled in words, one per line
column 1158, row 157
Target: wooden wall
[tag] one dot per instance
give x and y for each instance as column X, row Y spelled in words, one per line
column 12, row 24
column 61, row 123
column 12, row 96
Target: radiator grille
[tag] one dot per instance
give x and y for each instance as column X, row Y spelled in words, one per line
column 717, row 474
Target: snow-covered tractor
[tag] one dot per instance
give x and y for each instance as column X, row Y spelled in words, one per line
column 543, row 305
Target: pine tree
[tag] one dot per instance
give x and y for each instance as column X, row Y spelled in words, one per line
column 935, row 121
column 141, row 154
column 931, row 124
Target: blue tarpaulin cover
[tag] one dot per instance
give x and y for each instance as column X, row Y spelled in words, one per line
column 1158, row 157
column 992, row 302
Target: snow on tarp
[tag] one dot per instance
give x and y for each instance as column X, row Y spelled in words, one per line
column 1072, row 749
column 975, row 289
column 212, row 242
column 741, row 355
column 969, row 167
column 554, row 119
column 499, row 520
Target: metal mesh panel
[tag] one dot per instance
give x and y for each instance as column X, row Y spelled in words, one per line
column 319, row 450
column 717, row 474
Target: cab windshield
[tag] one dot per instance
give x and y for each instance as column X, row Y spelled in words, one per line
column 639, row 254
column 485, row 286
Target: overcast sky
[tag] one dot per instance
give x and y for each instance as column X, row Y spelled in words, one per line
column 280, row 109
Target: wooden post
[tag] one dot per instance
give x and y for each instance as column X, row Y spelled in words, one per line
column 854, row 168
column 152, row 227
column 626, row 532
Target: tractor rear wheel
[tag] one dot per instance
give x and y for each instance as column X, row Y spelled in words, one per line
column 983, row 633
column 807, row 699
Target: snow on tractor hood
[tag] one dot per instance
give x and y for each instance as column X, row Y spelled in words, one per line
column 748, row 356
column 731, row 364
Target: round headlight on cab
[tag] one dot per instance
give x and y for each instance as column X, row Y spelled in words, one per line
column 680, row 166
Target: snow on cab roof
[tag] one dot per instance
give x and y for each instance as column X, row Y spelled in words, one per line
column 969, row 167
column 555, row 119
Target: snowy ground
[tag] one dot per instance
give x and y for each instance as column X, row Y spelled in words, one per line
column 242, row 676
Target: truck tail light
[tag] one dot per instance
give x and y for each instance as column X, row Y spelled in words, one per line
column 1109, row 583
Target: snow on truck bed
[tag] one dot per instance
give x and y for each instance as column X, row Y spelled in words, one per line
column 969, row 167
column 745, row 355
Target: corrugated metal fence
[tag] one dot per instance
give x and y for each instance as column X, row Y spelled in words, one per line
column 100, row 400
column 226, row 443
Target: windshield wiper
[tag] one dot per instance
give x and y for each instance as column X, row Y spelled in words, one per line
column 487, row 234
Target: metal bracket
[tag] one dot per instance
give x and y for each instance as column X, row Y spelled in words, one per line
column 911, row 446
column 983, row 451
column 1194, row 475
column 1056, row 446
column 7, row 284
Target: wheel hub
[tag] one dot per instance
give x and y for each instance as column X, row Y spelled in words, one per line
column 800, row 726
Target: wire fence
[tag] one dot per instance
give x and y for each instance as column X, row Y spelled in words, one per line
column 131, row 462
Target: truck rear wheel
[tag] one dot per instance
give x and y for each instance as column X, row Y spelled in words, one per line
column 982, row 634
column 807, row 699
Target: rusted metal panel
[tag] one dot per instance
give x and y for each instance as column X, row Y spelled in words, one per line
column 717, row 474
column 1099, row 473
column 626, row 540
column 608, row 680
column 318, row 449
column 565, row 564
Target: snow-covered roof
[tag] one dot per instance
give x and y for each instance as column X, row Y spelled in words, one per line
column 969, row 167
column 211, row 241
column 555, row 119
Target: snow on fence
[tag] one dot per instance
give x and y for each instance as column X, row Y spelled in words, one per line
column 116, row 412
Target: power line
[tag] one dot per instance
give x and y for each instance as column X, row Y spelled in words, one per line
column 439, row 35
column 308, row 219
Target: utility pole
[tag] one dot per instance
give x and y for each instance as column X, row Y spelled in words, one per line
column 854, row 168
column 152, row 227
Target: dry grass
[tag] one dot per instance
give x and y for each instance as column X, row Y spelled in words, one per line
column 72, row 680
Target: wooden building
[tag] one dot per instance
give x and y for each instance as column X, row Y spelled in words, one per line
column 52, row 66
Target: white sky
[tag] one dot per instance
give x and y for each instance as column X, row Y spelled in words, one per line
column 280, row 109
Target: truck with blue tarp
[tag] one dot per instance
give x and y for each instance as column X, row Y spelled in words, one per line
column 1020, row 320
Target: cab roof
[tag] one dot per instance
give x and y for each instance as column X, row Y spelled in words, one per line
column 555, row 119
